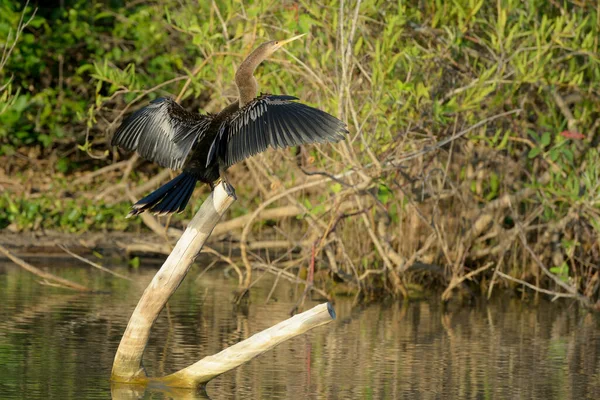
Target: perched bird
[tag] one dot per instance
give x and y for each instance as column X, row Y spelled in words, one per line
column 166, row 133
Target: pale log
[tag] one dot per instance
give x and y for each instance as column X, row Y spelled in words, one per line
column 242, row 352
column 127, row 366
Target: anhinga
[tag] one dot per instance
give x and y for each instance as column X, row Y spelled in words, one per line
column 166, row 133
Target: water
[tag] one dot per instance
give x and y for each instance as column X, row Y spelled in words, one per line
column 56, row 344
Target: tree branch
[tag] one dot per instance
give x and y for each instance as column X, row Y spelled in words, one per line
column 127, row 366
column 128, row 360
column 242, row 352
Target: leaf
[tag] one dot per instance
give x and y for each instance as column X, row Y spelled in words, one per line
column 62, row 165
column 568, row 154
column 534, row 152
column 384, row 194
column 135, row 262
column 545, row 139
column 562, row 271
column 494, row 184
column 504, row 141
column 336, row 188
column 533, row 134
column 318, row 209
column 305, row 22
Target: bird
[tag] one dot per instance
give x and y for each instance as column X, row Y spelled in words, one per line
column 204, row 146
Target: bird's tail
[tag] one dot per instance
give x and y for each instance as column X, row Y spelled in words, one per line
column 171, row 197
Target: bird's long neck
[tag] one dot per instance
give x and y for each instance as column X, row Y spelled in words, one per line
column 244, row 79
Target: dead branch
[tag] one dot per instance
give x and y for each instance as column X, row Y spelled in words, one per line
column 569, row 288
column 242, row 352
column 392, row 255
column 240, row 222
column 289, row 276
column 93, row 264
column 104, row 170
column 398, row 286
column 127, row 364
column 457, row 281
column 396, row 162
column 150, row 248
column 278, row 244
column 255, row 214
column 228, row 261
column 428, row 243
column 43, row 274
column 537, row 289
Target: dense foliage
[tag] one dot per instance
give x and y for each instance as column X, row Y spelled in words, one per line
column 515, row 84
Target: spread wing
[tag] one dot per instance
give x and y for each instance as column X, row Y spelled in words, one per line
column 275, row 121
column 163, row 132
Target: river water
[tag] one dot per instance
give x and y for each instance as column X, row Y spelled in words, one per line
column 59, row 344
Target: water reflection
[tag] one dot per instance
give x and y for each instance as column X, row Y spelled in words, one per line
column 54, row 344
column 121, row 391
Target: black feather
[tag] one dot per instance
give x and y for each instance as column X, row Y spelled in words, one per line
column 171, row 197
column 166, row 133
column 272, row 121
column 163, row 132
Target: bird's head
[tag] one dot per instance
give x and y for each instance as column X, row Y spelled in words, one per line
column 272, row 46
column 244, row 79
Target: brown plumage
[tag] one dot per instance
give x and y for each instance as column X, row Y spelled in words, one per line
column 206, row 145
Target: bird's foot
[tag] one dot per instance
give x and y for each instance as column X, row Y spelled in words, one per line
column 229, row 189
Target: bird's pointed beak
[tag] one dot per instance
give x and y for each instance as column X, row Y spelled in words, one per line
column 282, row 42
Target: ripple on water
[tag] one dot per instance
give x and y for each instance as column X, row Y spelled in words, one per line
column 55, row 344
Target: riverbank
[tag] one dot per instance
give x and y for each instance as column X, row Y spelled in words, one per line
column 472, row 161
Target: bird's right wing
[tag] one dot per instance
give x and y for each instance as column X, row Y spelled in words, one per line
column 163, row 132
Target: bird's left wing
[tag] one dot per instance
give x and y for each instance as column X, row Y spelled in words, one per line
column 163, row 132
column 275, row 121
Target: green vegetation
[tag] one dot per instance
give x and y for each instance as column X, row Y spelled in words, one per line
column 405, row 75
column 69, row 215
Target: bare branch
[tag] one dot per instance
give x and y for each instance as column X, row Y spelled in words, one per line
column 93, row 264
column 127, row 365
column 43, row 274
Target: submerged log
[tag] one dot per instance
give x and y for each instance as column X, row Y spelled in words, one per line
column 242, row 352
column 127, row 366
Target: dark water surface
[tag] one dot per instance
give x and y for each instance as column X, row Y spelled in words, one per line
column 56, row 344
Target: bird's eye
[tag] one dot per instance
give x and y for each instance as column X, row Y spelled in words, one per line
column 276, row 42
